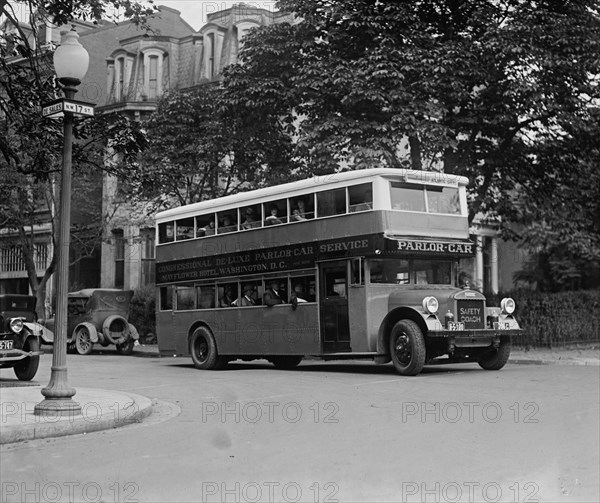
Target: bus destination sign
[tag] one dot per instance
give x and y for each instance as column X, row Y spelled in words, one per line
column 429, row 247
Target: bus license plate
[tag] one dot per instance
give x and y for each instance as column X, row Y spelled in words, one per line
column 456, row 325
column 6, row 344
column 501, row 325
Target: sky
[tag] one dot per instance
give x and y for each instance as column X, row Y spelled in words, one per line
column 194, row 12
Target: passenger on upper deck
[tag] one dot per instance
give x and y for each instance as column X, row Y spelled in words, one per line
column 366, row 204
column 227, row 225
column 299, row 213
column 209, row 230
column 273, row 219
column 250, row 221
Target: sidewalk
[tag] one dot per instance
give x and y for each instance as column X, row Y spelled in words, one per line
column 101, row 410
column 582, row 355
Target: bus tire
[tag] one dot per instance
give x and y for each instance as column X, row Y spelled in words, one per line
column 496, row 359
column 26, row 369
column 203, row 349
column 286, row 362
column 407, row 348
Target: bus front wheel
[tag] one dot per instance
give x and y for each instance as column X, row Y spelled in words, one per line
column 407, row 348
column 496, row 359
column 203, row 349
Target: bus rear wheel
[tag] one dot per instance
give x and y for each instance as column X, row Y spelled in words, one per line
column 496, row 359
column 407, row 348
column 285, row 362
column 203, row 349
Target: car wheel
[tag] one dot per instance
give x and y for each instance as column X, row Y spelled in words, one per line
column 26, row 369
column 285, row 362
column 83, row 341
column 407, row 348
column 496, row 359
column 203, row 349
column 126, row 348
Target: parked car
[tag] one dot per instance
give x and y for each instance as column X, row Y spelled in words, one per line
column 19, row 335
column 99, row 315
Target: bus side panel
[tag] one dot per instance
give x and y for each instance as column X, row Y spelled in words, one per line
column 378, row 301
column 279, row 330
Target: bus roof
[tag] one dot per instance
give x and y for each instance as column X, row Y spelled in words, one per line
column 317, row 183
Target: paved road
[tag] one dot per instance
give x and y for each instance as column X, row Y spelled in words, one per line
column 325, row 432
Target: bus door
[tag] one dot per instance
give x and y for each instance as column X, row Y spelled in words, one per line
column 333, row 306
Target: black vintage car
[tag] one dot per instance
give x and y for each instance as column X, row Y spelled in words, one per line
column 19, row 335
column 98, row 315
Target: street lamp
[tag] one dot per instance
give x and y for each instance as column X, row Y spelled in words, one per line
column 71, row 62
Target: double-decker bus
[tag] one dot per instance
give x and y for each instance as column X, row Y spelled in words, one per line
column 359, row 264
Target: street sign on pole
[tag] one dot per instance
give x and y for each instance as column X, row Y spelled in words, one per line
column 57, row 108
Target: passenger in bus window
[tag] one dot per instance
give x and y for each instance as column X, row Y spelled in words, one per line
column 299, row 213
column 272, row 295
column 366, row 204
column 227, row 224
column 227, row 299
column 298, row 293
column 273, row 219
column 209, row 230
column 250, row 220
column 247, row 298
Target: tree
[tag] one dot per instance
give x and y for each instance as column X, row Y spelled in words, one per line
column 30, row 146
column 477, row 88
column 198, row 149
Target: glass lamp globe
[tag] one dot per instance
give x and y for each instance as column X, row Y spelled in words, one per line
column 71, row 60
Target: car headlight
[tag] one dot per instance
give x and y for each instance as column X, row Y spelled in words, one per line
column 508, row 305
column 430, row 305
column 16, row 325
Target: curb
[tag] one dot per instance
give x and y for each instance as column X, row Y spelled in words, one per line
column 579, row 363
column 101, row 410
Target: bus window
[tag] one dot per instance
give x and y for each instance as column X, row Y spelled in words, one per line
column 227, row 221
column 250, row 217
column 185, row 298
column 432, row 272
column 331, row 202
column 166, row 298
column 443, row 200
column 205, row 225
column 275, row 212
column 227, row 292
column 407, row 197
column 205, row 296
column 185, row 228
column 302, row 207
column 360, row 197
column 335, row 284
column 357, row 275
column 166, row 232
column 393, row 271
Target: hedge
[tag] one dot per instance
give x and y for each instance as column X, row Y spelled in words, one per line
column 142, row 313
column 556, row 319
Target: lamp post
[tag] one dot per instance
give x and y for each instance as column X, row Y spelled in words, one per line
column 71, row 62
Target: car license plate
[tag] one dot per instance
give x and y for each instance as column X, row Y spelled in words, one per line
column 501, row 325
column 6, row 345
column 456, row 325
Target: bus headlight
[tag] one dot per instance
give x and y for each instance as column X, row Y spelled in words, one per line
column 508, row 305
column 430, row 305
column 16, row 325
